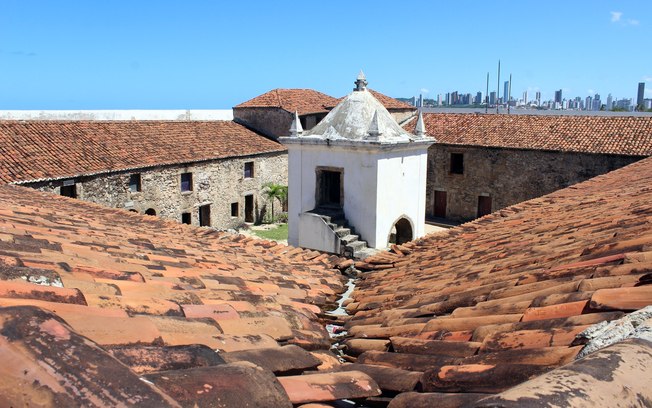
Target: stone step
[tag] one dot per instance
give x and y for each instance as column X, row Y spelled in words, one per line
column 349, row 239
column 342, row 232
column 364, row 253
column 356, row 245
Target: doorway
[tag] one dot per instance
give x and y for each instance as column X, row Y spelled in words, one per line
column 440, row 204
column 205, row 215
column 329, row 187
column 401, row 232
column 249, row 208
column 484, row 206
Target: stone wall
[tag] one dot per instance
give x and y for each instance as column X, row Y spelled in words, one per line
column 508, row 176
column 272, row 122
column 218, row 183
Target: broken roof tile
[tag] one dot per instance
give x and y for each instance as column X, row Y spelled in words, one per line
column 285, row 360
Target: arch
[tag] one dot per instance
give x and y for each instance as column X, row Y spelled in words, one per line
column 150, row 211
column 401, row 232
column 132, row 210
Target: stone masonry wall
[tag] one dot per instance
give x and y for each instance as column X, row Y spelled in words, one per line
column 272, row 122
column 508, row 176
column 218, row 183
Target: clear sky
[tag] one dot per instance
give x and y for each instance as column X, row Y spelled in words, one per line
column 193, row 54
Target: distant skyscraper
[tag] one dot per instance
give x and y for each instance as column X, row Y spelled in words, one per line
column 420, row 100
column 597, row 103
column 641, row 94
column 492, row 98
column 589, row 103
column 506, row 92
column 538, row 98
column 558, row 96
column 525, row 98
column 478, row 98
column 610, row 102
column 438, row 99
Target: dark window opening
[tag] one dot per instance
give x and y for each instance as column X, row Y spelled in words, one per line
column 69, row 191
column 401, row 232
column 440, row 204
column 186, row 218
column 134, row 183
column 484, row 205
column 302, row 119
column 205, row 215
column 329, row 188
column 249, row 170
column 235, row 210
column 150, row 211
column 186, row 182
column 249, row 208
column 132, row 210
column 457, row 163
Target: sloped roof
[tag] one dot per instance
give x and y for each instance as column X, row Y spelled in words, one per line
column 391, row 103
column 352, row 117
column 388, row 102
column 626, row 135
column 304, row 101
column 194, row 315
column 492, row 303
column 35, row 150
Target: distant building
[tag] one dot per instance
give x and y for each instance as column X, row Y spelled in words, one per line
column 558, row 96
column 597, row 103
column 538, row 98
column 610, row 102
column 492, row 98
column 641, row 94
column 478, row 98
column 506, row 92
column 588, row 104
column 525, row 98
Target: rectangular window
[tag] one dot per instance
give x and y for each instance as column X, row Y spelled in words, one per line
column 249, row 170
column 186, row 182
column 69, row 189
column 457, row 163
column 186, row 218
column 134, row 183
column 235, row 210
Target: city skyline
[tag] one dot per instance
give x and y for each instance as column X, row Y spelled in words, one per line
column 197, row 55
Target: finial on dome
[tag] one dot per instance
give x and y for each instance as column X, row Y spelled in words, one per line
column 420, row 129
column 360, row 82
column 374, row 128
column 295, row 128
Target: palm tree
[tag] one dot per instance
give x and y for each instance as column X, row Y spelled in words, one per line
column 273, row 191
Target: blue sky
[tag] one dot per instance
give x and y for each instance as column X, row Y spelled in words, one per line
column 215, row 54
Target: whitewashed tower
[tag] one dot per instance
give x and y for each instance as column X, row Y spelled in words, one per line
column 356, row 174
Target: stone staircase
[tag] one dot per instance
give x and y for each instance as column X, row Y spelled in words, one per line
column 352, row 245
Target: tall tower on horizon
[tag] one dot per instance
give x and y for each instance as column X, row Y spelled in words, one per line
column 640, row 98
column 558, row 96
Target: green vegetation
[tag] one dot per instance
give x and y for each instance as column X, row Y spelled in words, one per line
column 273, row 192
column 279, row 233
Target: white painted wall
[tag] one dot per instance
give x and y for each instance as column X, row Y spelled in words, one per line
column 119, row 114
column 381, row 184
column 402, row 192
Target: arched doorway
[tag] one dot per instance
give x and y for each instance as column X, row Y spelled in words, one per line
column 401, row 232
column 150, row 211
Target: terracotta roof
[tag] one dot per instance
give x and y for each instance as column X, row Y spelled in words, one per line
column 626, row 135
column 492, row 303
column 391, row 103
column 104, row 307
column 388, row 102
column 304, row 101
column 38, row 150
